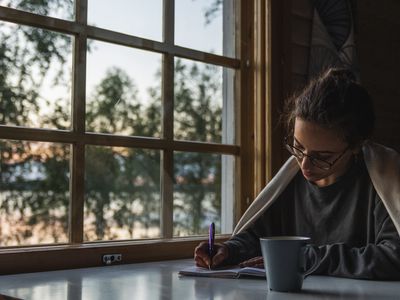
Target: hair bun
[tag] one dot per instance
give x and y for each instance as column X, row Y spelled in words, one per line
column 341, row 74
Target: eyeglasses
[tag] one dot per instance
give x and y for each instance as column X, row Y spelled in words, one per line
column 318, row 162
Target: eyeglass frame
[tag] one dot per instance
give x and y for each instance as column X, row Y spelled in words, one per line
column 312, row 158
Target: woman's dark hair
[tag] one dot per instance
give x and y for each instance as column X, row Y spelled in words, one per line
column 334, row 101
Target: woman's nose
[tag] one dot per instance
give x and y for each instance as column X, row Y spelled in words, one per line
column 306, row 163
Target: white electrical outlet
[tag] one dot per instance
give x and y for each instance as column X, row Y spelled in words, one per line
column 109, row 259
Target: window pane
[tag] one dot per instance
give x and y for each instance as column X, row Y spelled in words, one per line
column 200, row 193
column 35, row 81
column 123, row 91
column 34, row 195
column 204, row 110
column 122, row 193
column 206, row 25
column 62, row 9
column 135, row 17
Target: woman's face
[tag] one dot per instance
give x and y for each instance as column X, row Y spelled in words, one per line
column 324, row 144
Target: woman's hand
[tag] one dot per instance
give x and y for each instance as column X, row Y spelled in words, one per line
column 202, row 258
column 255, row 262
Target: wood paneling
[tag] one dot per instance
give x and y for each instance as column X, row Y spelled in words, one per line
column 280, row 85
column 260, row 96
column 246, row 126
column 378, row 48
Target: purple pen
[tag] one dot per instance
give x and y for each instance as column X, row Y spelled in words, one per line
column 211, row 238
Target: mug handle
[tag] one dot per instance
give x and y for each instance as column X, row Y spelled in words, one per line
column 317, row 260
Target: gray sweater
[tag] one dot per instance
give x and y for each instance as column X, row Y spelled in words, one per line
column 346, row 221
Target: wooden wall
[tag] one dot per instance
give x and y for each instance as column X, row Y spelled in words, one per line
column 378, row 47
column 290, row 64
column 302, row 16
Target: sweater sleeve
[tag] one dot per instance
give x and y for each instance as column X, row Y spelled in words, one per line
column 272, row 222
column 379, row 260
column 243, row 246
column 246, row 244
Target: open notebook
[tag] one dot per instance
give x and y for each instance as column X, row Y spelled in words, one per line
column 232, row 272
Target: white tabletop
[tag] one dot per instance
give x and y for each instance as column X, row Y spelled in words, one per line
column 160, row 280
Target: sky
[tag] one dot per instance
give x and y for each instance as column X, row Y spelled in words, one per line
column 144, row 19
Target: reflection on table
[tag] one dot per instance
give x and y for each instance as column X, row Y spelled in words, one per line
column 160, row 280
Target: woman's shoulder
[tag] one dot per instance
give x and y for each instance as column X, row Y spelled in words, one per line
column 381, row 160
column 383, row 164
column 371, row 148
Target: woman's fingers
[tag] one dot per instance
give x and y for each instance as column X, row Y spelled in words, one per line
column 202, row 258
column 200, row 262
column 220, row 255
column 256, row 262
column 260, row 266
column 201, row 255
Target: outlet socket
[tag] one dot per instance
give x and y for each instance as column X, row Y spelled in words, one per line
column 109, row 259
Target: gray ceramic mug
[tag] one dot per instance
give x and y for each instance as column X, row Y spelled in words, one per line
column 284, row 262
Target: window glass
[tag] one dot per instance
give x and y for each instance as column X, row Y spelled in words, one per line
column 198, row 189
column 34, row 194
column 135, row 17
column 122, row 193
column 62, row 9
column 35, row 81
column 123, row 91
column 204, row 101
column 198, row 25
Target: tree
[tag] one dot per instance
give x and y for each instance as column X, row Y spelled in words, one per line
column 26, row 54
column 198, row 115
column 120, row 176
column 122, row 185
column 212, row 11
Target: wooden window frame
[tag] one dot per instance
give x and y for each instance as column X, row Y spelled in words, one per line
column 255, row 95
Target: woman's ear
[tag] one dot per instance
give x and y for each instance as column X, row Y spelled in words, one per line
column 356, row 149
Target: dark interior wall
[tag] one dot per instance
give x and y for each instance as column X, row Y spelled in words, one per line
column 293, row 34
column 378, row 47
column 377, row 25
column 300, row 24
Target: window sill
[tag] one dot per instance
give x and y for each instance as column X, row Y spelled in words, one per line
column 66, row 256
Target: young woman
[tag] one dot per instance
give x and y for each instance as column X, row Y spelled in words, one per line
column 338, row 188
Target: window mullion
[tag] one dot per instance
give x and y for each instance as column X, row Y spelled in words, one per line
column 77, row 165
column 168, row 117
